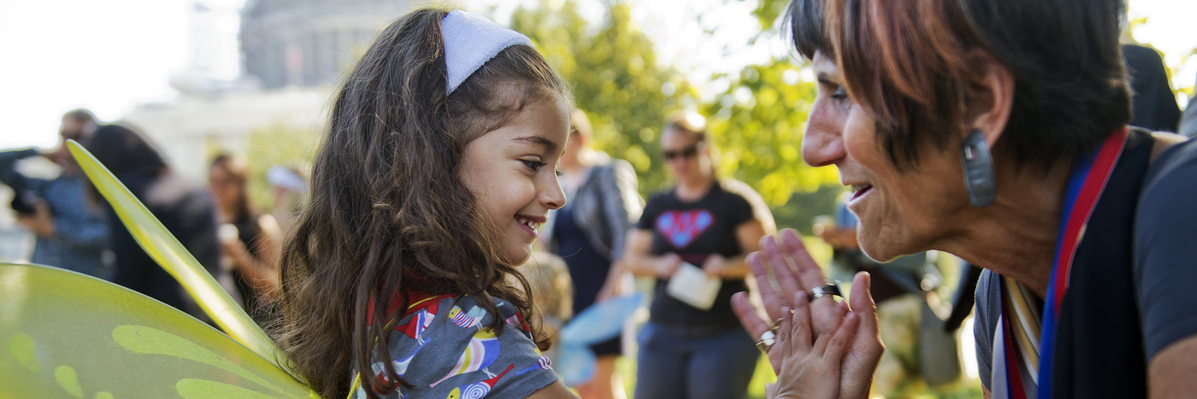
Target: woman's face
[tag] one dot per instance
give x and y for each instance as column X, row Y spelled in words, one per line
column 223, row 186
column 512, row 172
column 688, row 159
column 899, row 212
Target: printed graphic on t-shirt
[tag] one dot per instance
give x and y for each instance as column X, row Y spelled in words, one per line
column 680, row 228
column 441, row 329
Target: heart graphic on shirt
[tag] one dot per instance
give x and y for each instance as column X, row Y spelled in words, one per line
column 682, row 227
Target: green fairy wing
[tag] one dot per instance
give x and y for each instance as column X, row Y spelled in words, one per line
column 64, row 334
column 69, row 335
column 172, row 256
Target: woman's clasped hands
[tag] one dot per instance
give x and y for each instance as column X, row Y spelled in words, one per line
column 821, row 348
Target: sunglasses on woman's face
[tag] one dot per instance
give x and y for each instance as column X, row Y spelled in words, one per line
column 688, row 152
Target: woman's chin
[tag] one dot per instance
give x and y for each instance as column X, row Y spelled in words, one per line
column 879, row 250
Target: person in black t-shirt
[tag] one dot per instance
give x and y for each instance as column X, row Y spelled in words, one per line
column 686, row 352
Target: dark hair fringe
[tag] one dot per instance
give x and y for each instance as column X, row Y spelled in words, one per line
column 388, row 213
column 805, row 21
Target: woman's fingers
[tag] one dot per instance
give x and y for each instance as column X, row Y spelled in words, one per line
column 836, row 345
column 748, row 317
column 756, row 327
column 769, row 298
column 787, row 281
column 800, row 334
column 785, row 339
column 862, row 301
column 810, row 275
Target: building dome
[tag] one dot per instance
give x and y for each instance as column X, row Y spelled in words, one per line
column 308, row 43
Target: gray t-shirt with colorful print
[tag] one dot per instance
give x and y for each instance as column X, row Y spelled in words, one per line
column 444, row 349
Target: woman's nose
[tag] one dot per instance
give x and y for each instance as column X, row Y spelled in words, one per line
column 822, row 143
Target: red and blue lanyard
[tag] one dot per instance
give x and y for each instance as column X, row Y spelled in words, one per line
column 1085, row 185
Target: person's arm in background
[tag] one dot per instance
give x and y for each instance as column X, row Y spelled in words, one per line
column 8, row 166
column 34, row 213
column 621, row 207
column 638, row 260
column 1164, row 275
column 261, row 271
column 749, row 236
column 756, row 220
column 83, row 228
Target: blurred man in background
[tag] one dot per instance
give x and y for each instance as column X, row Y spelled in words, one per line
column 71, row 230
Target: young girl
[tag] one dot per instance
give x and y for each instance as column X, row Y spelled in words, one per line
column 437, row 169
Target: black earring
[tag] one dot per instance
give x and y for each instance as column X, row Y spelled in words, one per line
column 979, row 177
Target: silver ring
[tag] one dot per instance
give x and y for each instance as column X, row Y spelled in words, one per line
column 829, row 289
column 766, row 341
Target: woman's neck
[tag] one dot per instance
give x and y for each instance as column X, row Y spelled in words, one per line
column 1016, row 236
column 690, row 191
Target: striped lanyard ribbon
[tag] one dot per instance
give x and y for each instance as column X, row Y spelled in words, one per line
column 1020, row 327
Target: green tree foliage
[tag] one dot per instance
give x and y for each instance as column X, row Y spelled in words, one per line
column 615, row 77
column 760, row 118
column 276, row 145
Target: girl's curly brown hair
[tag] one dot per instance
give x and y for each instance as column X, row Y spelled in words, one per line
column 388, row 211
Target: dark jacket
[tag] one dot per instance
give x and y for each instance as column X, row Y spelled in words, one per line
column 606, row 206
column 189, row 213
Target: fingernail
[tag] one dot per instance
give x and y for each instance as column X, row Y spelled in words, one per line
column 785, row 310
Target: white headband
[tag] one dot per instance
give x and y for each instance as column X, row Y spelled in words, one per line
column 470, row 41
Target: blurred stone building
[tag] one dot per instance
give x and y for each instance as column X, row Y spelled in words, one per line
column 293, row 53
column 307, row 43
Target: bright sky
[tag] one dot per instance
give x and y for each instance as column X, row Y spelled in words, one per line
column 110, row 55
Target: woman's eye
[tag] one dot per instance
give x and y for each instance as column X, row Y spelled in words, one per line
column 559, row 173
column 534, row 165
column 840, row 93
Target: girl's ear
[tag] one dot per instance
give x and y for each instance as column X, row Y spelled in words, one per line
column 989, row 96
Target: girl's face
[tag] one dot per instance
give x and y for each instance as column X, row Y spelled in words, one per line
column 512, row 171
column 899, row 212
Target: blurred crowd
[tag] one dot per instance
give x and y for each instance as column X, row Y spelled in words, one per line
column 606, row 242
column 702, row 226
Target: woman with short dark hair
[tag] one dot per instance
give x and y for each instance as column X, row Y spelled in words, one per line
column 996, row 130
